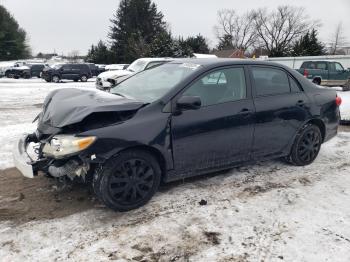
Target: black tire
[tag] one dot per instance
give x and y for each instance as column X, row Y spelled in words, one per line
column 16, row 76
column 84, row 78
column 306, row 147
column 8, row 74
column 55, row 79
column 317, row 81
column 346, row 87
column 128, row 180
column 76, row 80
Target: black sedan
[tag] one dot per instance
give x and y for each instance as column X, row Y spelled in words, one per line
column 181, row 119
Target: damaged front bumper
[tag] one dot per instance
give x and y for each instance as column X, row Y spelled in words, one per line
column 23, row 162
column 30, row 163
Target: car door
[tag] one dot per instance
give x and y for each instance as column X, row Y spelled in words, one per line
column 281, row 109
column 66, row 71
column 337, row 74
column 220, row 132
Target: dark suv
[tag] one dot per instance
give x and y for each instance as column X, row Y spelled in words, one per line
column 74, row 72
column 25, row 71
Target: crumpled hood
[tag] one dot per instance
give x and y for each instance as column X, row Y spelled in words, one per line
column 64, row 107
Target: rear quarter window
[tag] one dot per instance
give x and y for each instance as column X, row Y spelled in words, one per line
column 270, row 81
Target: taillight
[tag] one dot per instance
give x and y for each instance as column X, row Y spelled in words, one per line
column 338, row 100
column 306, row 73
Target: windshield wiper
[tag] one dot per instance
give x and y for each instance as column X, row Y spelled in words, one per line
column 119, row 94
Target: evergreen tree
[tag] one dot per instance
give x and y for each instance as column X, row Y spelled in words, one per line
column 197, row 44
column 225, row 42
column 308, row 45
column 99, row 54
column 162, row 46
column 135, row 27
column 12, row 38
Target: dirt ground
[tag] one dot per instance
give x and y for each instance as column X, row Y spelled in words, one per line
column 24, row 199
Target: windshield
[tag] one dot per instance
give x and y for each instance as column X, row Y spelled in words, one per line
column 152, row 84
column 137, row 66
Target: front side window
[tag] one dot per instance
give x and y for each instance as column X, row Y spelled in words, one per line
column 66, row 67
column 220, row 86
column 339, row 67
column 270, row 81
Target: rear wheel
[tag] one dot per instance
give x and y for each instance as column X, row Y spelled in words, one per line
column 346, row 87
column 128, row 180
column 306, row 146
column 317, row 81
column 55, row 79
column 83, row 78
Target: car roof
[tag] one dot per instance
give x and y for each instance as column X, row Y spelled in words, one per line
column 224, row 61
column 152, row 59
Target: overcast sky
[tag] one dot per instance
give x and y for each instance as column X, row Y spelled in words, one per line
column 66, row 25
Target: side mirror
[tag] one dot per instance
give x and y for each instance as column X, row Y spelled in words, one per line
column 189, row 103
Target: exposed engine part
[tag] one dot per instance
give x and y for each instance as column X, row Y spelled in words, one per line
column 71, row 169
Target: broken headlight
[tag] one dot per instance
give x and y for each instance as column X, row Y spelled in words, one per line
column 62, row 145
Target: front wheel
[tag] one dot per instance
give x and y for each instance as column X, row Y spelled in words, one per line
column 83, row 78
column 55, row 79
column 306, row 146
column 128, row 180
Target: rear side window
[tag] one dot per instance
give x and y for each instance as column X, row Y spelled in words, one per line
column 270, row 81
column 294, row 86
column 322, row 66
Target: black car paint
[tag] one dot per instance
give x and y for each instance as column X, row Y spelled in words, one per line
column 211, row 138
column 33, row 70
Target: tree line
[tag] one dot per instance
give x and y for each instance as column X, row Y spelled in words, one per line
column 139, row 29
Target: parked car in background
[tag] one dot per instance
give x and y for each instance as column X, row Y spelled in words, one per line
column 74, row 72
column 180, row 119
column 36, row 69
column 326, row 73
column 25, row 71
column 113, row 67
column 7, row 67
column 105, row 80
column 18, row 72
column 94, row 69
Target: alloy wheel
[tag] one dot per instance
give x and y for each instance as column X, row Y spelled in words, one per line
column 309, row 146
column 132, row 181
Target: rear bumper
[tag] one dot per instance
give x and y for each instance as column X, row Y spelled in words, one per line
column 22, row 160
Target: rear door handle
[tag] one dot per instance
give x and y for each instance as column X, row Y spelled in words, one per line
column 300, row 103
column 245, row 112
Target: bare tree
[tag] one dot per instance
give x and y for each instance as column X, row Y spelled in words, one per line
column 279, row 29
column 338, row 39
column 236, row 29
column 74, row 55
